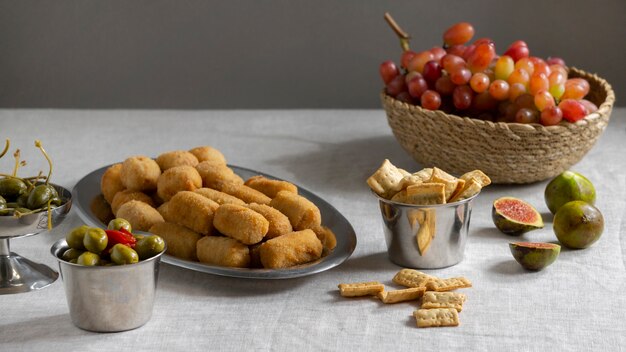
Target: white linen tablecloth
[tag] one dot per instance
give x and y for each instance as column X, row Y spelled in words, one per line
column 577, row 304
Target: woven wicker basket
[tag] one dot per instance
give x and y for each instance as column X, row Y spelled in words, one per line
column 507, row 152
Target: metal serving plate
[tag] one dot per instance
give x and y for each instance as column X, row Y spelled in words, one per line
column 87, row 190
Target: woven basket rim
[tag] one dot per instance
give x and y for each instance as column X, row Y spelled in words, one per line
column 602, row 112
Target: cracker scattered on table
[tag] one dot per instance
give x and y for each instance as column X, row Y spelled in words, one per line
column 403, row 295
column 359, row 289
column 433, row 299
column 440, row 285
column 436, row 317
column 412, row 278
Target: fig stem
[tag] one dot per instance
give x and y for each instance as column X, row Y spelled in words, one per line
column 6, row 148
column 402, row 35
column 40, row 146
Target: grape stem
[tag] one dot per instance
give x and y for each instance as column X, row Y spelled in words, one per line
column 404, row 36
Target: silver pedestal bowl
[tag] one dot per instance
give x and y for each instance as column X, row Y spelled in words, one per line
column 19, row 274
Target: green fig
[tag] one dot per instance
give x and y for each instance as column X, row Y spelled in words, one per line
column 534, row 256
column 566, row 187
column 578, row 224
column 514, row 217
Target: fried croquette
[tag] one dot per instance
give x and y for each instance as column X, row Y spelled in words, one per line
column 219, row 197
column 215, row 175
column 176, row 158
column 291, row 249
column 270, row 187
column 279, row 223
column 176, row 179
column 111, row 182
column 223, row 251
column 327, row 237
column 181, row 241
column 302, row 213
column 240, row 223
column 140, row 215
column 210, row 154
column 191, row 210
column 128, row 195
column 140, row 173
column 245, row 193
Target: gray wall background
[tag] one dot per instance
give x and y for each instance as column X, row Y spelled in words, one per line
column 194, row 54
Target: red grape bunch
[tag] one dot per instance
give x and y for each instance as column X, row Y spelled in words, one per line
column 471, row 79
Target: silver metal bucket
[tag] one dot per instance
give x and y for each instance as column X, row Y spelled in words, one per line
column 108, row 298
column 426, row 236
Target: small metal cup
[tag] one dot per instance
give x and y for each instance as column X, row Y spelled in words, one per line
column 426, row 236
column 108, row 298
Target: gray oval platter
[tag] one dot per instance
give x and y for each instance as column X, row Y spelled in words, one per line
column 88, row 188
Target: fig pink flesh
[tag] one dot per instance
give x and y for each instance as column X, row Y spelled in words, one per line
column 535, row 244
column 515, row 209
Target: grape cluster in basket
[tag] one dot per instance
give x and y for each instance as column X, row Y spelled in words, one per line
column 471, row 79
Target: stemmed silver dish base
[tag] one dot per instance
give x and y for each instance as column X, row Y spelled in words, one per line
column 19, row 274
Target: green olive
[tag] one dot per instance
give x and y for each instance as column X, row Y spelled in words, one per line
column 56, row 201
column 22, row 200
column 149, row 246
column 70, row 254
column 88, row 259
column 95, row 240
column 119, row 223
column 3, row 203
column 40, row 196
column 12, row 187
column 75, row 238
column 121, row 254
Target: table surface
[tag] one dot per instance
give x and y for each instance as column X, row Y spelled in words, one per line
column 578, row 303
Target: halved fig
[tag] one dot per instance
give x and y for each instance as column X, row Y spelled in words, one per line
column 534, row 256
column 514, row 216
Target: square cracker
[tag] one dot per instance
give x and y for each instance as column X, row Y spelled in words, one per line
column 387, row 180
column 450, row 284
column 436, row 317
column 426, row 194
column 471, row 188
column 423, row 174
column 459, row 187
column 412, row 278
column 358, row 289
column 480, row 176
column 433, row 299
column 450, row 182
column 399, row 197
column 403, row 295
